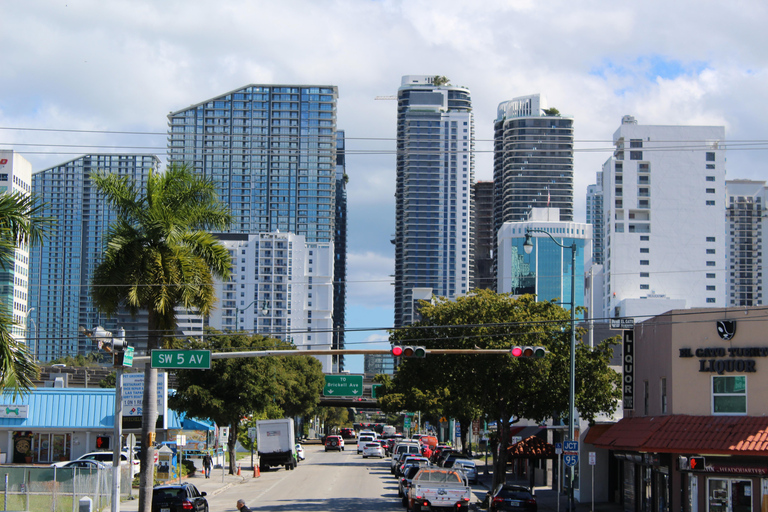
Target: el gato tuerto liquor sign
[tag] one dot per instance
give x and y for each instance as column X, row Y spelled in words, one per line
column 722, row 360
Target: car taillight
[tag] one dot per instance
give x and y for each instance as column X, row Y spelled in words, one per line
column 187, row 505
column 531, row 501
column 498, row 500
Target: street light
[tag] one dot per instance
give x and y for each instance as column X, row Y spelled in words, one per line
column 238, row 311
column 528, row 247
column 116, row 346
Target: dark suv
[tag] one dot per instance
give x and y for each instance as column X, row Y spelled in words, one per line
column 178, row 498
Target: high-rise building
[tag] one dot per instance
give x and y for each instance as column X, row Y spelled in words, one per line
column 745, row 243
column 595, row 217
column 16, row 178
column 533, row 160
column 340, row 252
column 62, row 267
column 281, row 287
column 485, row 236
column 433, row 194
column 272, row 152
column 547, row 271
column 664, row 222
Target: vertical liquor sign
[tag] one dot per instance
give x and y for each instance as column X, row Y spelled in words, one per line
column 628, row 364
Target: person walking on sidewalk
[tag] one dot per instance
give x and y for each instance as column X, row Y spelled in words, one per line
column 241, row 506
column 207, row 464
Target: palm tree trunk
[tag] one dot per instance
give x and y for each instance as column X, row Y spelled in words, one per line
column 148, row 421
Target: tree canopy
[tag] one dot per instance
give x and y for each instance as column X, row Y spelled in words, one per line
column 499, row 387
column 239, row 389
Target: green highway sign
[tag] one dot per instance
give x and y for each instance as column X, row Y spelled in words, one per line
column 407, row 422
column 178, row 359
column 343, row 385
column 374, row 390
column 128, row 356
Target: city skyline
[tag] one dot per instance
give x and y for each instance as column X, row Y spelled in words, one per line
column 109, row 68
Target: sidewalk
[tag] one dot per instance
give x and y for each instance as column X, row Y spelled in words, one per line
column 546, row 498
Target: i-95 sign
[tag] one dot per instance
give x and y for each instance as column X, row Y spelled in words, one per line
column 570, row 459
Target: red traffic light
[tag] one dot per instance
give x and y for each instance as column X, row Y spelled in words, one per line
column 397, row 351
column 409, row 351
column 535, row 352
column 102, row 442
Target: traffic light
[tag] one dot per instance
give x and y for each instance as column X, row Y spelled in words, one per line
column 102, row 442
column 697, row 463
column 409, row 351
column 535, row 352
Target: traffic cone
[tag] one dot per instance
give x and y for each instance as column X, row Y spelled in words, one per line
column 238, row 470
column 256, row 472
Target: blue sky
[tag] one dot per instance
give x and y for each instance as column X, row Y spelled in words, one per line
column 122, row 65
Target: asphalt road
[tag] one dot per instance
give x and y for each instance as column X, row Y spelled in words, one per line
column 325, row 481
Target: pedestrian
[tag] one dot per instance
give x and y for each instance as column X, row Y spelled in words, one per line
column 207, row 464
column 241, row 506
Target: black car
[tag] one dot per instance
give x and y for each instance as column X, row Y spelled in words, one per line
column 178, row 498
column 511, row 497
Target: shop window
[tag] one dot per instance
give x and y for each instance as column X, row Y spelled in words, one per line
column 729, row 394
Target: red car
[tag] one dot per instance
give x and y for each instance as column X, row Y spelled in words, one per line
column 334, row 443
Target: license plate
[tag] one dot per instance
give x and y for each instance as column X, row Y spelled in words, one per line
column 165, row 510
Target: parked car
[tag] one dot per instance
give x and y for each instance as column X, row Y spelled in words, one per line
column 373, row 449
column 300, row 452
column 334, row 443
column 468, row 467
column 178, row 498
column 362, row 439
column 83, row 464
column 512, row 497
column 106, row 459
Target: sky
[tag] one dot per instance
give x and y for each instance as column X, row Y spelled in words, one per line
column 80, row 76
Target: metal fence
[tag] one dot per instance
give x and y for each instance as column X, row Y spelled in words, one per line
column 51, row 489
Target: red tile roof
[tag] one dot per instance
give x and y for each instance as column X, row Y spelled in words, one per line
column 596, row 431
column 532, row 448
column 727, row 435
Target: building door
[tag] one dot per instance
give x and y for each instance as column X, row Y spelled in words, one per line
column 729, row 495
column 52, row 447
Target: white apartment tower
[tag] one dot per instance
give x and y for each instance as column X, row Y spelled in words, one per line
column 747, row 231
column 433, row 194
column 281, row 287
column 16, row 177
column 663, row 195
column 595, row 217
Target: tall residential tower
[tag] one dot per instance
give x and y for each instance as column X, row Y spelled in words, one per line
column 433, row 194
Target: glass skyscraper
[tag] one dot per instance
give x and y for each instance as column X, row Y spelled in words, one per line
column 62, row 266
column 433, row 196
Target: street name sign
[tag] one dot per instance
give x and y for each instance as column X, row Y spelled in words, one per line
column 343, row 385
column 128, row 357
column 182, row 359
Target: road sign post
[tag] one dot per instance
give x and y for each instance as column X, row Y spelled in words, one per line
column 343, row 385
column 182, row 359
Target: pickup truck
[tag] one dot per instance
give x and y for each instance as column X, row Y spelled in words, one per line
column 438, row 489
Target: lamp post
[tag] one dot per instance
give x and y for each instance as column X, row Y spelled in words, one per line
column 238, row 311
column 528, row 247
column 116, row 346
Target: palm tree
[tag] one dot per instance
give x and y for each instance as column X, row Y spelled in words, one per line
column 20, row 225
column 159, row 257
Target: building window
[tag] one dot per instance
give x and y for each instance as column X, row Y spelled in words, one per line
column 710, row 178
column 663, row 395
column 645, row 287
column 644, row 250
column 710, row 191
column 710, row 251
column 710, row 276
column 635, row 155
column 711, row 300
column 710, row 166
column 710, row 203
column 711, row 288
column 645, row 274
column 644, row 262
column 710, row 157
column 729, row 395
column 635, row 143
column 711, row 239
column 710, row 263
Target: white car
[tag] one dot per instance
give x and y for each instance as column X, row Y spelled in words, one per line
column 105, row 458
column 373, row 449
column 362, row 439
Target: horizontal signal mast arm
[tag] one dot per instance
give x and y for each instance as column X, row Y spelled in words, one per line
column 333, row 352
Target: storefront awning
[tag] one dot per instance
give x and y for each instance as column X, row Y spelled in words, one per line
column 726, row 435
column 532, row 448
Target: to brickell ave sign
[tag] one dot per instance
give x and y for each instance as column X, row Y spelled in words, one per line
column 343, row 385
column 176, row 359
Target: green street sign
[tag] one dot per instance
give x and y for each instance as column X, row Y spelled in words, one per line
column 374, row 390
column 179, row 359
column 407, row 422
column 128, row 357
column 343, row 385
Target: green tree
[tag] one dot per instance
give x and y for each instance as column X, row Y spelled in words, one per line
column 441, row 80
column 501, row 386
column 159, row 257
column 551, row 112
column 237, row 390
column 21, row 225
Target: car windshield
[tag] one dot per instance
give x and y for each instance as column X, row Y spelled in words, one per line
column 443, row 477
column 514, row 493
column 169, row 493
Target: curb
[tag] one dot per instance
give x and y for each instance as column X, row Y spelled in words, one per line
column 227, row 486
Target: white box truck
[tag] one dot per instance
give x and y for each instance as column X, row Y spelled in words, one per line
column 276, row 443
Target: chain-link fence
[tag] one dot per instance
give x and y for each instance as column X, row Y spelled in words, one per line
column 51, row 489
